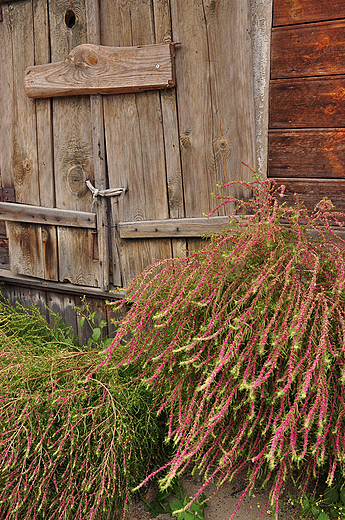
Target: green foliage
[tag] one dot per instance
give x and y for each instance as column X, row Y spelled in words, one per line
column 243, row 343
column 69, row 448
column 163, row 505
column 328, row 505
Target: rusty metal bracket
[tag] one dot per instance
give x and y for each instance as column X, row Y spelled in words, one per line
column 7, row 195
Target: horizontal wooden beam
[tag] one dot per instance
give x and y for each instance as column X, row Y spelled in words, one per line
column 50, row 216
column 95, row 69
column 10, row 278
column 182, row 227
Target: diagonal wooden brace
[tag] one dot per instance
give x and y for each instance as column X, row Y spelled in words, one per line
column 95, row 69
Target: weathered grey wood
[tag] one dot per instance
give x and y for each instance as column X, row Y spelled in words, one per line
column 6, row 102
column 73, row 150
column 62, row 288
column 26, row 296
column 162, row 18
column 215, row 53
column 26, row 249
column 43, row 108
column 45, row 141
column 77, row 257
column 94, row 69
column 25, row 163
column 99, row 156
column 187, row 227
column 51, row 216
column 135, row 141
column 63, row 306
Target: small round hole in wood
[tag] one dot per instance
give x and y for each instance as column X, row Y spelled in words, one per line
column 70, row 18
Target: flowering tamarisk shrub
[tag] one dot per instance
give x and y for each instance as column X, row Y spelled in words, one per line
column 244, row 344
column 68, row 450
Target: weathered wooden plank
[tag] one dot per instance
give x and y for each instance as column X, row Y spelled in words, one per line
column 308, row 50
column 50, row 216
column 73, row 148
column 99, row 155
column 94, row 69
column 78, row 261
column 62, row 306
column 6, row 101
column 4, row 254
column 45, row 141
column 162, row 19
column 307, row 102
column 215, row 139
column 307, row 153
column 24, row 144
column 26, row 296
column 135, row 141
column 287, row 12
column 62, row 288
column 186, row 227
column 43, row 108
column 311, row 191
column 26, row 249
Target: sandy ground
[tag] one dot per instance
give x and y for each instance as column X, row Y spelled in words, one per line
column 221, row 506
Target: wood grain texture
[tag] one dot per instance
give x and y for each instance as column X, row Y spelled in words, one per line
column 307, row 102
column 26, row 296
column 62, row 305
column 24, row 141
column 53, row 216
column 311, row 191
column 6, row 101
column 99, row 156
column 77, row 262
column 94, row 69
column 163, row 30
column 62, row 288
column 43, row 108
column 187, row 227
column 307, row 153
column 287, row 12
column 135, row 141
column 216, row 119
column 73, row 150
column 308, row 50
column 26, row 249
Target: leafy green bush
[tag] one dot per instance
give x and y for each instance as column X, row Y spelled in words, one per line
column 243, row 343
column 68, row 449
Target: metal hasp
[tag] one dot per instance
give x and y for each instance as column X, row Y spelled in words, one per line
column 95, row 69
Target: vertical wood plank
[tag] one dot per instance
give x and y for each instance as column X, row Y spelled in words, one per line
column 163, row 30
column 73, row 149
column 99, row 157
column 77, row 259
column 26, row 249
column 6, row 101
column 26, row 297
column 64, row 306
column 45, row 142
column 25, row 164
column 135, row 140
column 211, row 73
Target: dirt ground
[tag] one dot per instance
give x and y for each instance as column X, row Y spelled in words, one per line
column 221, row 506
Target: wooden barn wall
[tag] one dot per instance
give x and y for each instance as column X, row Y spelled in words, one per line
column 169, row 148
column 307, row 99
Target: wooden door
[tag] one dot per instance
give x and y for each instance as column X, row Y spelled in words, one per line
column 307, row 99
column 168, row 148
